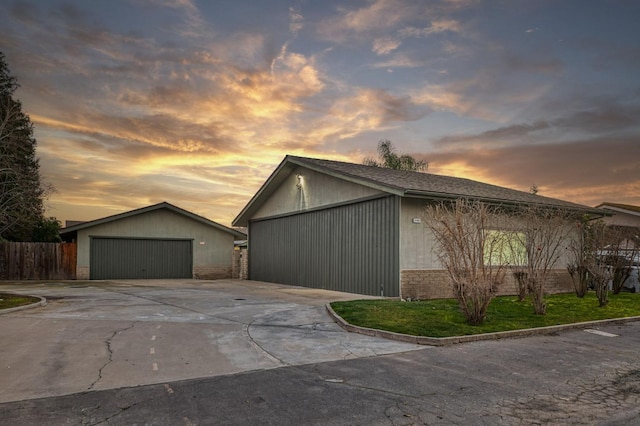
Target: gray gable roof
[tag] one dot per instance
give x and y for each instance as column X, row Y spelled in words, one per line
column 406, row 184
column 163, row 205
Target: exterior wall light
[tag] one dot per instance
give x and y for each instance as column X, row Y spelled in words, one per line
column 299, row 184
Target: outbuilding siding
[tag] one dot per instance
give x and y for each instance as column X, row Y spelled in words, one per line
column 352, row 248
column 211, row 248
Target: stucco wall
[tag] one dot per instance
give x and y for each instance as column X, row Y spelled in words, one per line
column 316, row 190
column 212, row 248
column 416, row 240
column 622, row 219
column 422, row 275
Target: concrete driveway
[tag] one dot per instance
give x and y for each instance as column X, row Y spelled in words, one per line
column 102, row 335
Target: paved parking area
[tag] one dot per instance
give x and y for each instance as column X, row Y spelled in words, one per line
column 102, row 335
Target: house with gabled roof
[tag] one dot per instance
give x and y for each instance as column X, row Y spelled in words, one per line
column 356, row 228
column 157, row 241
column 621, row 214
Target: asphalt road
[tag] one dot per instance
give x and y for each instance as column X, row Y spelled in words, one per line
column 575, row 377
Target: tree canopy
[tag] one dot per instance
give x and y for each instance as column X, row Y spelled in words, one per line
column 21, row 190
column 390, row 160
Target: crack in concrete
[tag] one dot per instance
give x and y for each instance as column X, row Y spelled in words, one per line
column 271, row 356
column 349, row 353
column 109, row 353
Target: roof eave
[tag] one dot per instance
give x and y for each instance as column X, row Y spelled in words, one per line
column 616, row 209
column 288, row 164
column 350, row 178
column 147, row 209
column 242, row 219
column 448, row 197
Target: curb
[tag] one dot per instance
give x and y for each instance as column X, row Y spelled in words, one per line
column 446, row 341
column 42, row 302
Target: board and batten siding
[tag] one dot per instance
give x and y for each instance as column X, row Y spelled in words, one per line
column 350, row 248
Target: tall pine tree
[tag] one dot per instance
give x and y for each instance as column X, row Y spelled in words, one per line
column 21, row 191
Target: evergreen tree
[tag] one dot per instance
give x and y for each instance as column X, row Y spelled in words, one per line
column 21, row 191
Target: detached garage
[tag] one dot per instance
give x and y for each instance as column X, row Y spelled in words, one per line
column 159, row 241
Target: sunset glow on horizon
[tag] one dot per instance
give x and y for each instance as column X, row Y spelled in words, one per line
column 135, row 102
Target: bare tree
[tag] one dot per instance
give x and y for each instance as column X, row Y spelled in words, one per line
column 581, row 250
column 470, row 251
column 620, row 250
column 602, row 256
column 536, row 247
column 600, row 273
column 390, row 160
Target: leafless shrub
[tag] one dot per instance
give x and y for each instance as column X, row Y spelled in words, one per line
column 619, row 253
column 582, row 251
column 470, row 252
column 535, row 248
column 601, row 274
column 601, row 256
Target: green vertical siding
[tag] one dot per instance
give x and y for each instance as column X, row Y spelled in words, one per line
column 352, row 248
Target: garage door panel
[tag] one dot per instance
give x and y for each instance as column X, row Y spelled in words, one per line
column 139, row 258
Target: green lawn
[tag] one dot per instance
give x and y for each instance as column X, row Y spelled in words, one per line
column 442, row 318
column 13, row 300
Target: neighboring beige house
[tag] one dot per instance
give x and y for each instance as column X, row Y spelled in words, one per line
column 356, row 228
column 158, row 241
column 621, row 214
column 626, row 218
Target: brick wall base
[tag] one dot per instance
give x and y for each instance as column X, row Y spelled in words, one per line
column 240, row 264
column 82, row 273
column 211, row 272
column 420, row 284
column 199, row 272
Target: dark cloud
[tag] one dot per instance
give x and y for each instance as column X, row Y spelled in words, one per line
column 533, row 62
column 24, row 12
column 598, row 117
column 399, row 108
column 569, row 170
column 146, row 134
column 508, row 133
column 603, row 117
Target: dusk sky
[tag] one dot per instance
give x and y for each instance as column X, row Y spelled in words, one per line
column 135, row 102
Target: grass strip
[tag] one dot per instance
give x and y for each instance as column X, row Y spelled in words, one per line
column 8, row 300
column 442, row 317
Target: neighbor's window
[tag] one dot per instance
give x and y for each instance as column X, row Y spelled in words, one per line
column 504, row 248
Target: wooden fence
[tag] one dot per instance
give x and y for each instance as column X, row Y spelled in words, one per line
column 38, row 261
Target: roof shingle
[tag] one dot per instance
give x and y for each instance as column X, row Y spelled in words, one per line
column 428, row 184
